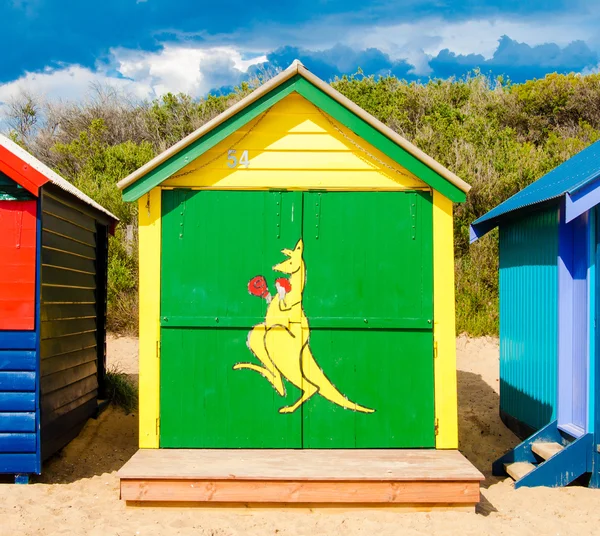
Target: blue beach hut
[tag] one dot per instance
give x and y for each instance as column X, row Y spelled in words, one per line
column 549, row 372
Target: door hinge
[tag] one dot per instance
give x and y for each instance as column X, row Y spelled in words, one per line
column 413, row 216
column 158, row 426
column 157, row 349
column 435, row 349
column 437, row 426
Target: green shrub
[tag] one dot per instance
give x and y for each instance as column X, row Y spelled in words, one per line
column 121, row 390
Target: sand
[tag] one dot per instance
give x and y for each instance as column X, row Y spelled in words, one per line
column 78, row 492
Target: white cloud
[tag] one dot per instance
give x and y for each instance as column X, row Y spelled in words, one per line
column 140, row 74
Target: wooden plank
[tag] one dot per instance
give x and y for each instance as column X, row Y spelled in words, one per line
column 57, row 399
column 150, row 222
column 18, row 340
column 518, row 470
column 61, row 243
column 59, row 328
column 547, row 450
column 67, row 278
column 18, row 463
column 17, row 401
column 56, row 434
column 67, row 344
column 50, row 365
column 68, row 229
column 300, row 465
column 51, row 205
column 66, row 377
column 67, row 295
column 53, row 257
column 14, row 443
column 48, row 418
column 417, row 492
column 17, row 381
column 18, row 360
column 64, row 311
column 446, row 403
column 17, row 422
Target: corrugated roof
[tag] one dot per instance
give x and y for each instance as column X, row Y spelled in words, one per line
column 52, row 176
column 297, row 68
column 568, row 178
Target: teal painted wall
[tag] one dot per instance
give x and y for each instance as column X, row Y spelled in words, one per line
column 529, row 318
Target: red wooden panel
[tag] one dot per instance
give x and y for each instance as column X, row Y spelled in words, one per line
column 18, row 227
column 18, row 170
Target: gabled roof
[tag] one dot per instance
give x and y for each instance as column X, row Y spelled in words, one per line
column 295, row 78
column 576, row 180
column 32, row 174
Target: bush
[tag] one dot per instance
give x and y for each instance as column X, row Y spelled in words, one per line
column 121, row 390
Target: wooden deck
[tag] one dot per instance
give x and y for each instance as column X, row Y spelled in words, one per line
column 422, row 478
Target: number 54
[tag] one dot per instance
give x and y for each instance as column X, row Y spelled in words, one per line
column 232, row 160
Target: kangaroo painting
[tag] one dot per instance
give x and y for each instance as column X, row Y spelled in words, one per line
column 281, row 342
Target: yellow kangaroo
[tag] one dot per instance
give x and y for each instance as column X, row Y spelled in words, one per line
column 281, row 343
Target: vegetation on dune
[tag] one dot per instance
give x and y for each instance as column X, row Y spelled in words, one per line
column 496, row 135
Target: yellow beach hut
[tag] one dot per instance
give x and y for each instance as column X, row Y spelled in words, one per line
column 297, row 309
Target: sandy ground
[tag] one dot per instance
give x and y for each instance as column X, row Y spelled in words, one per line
column 78, row 492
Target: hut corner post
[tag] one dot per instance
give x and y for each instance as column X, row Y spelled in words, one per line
column 149, row 215
column 444, row 327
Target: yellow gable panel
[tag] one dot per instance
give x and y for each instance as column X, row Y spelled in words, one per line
column 294, row 145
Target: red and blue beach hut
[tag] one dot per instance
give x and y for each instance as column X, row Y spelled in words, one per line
column 549, row 335
column 53, row 266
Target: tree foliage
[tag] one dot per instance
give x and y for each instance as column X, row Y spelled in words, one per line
column 496, row 135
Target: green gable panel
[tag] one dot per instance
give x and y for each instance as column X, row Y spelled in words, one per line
column 320, row 99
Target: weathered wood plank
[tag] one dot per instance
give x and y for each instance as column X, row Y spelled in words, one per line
column 67, row 344
column 18, row 463
column 57, row 433
column 17, row 442
column 67, row 295
column 18, row 340
column 68, row 229
column 59, row 328
column 17, row 422
column 17, row 360
column 54, row 401
column 64, row 311
column 66, row 377
column 53, row 364
column 61, row 243
column 49, row 417
column 52, row 257
column 17, row 401
column 310, row 464
column 67, row 278
column 235, row 491
column 57, row 208
column 17, row 381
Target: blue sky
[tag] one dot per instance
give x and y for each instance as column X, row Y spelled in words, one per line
column 60, row 48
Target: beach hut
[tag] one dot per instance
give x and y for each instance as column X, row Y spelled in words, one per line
column 296, row 292
column 548, row 316
column 53, row 261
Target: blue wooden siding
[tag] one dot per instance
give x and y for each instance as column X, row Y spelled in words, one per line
column 18, row 417
column 528, row 318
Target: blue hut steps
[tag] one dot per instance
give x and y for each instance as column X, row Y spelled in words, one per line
column 550, row 457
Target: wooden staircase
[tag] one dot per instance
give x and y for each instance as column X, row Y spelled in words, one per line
column 550, row 458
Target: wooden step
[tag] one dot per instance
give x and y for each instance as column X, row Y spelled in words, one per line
column 518, row 470
column 425, row 477
column 546, row 450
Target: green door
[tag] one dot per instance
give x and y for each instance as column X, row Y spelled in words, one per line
column 369, row 304
column 346, row 315
column 213, row 244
